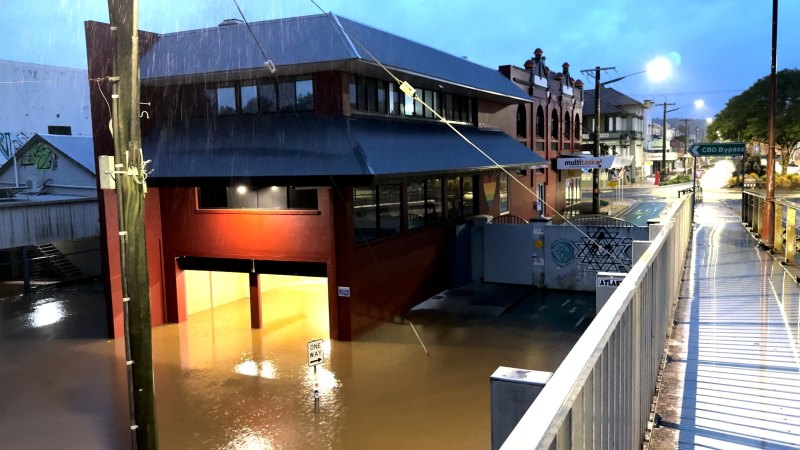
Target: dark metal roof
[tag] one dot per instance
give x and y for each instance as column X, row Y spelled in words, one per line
column 306, row 40
column 306, row 145
column 610, row 102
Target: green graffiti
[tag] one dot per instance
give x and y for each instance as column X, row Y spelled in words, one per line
column 41, row 156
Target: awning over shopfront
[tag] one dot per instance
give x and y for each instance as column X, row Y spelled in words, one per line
column 594, row 162
column 294, row 146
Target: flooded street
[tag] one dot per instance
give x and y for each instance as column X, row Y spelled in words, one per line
column 220, row 384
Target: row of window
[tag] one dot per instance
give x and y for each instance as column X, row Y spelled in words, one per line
column 263, row 97
column 554, row 124
column 270, row 198
column 385, row 97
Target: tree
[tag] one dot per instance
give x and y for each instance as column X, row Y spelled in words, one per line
column 746, row 116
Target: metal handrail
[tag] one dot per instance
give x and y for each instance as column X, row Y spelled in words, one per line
column 653, row 283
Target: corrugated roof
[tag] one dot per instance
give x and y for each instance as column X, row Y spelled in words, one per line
column 290, row 146
column 310, row 39
column 610, row 101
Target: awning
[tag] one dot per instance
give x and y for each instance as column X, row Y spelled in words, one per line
column 305, row 145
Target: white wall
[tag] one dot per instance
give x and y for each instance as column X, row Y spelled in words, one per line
column 35, row 96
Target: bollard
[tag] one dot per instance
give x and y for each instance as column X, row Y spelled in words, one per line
column 316, row 396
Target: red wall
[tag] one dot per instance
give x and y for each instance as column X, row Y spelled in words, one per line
column 265, row 235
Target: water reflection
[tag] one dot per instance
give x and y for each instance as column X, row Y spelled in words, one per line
column 46, row 312
column 264, row 369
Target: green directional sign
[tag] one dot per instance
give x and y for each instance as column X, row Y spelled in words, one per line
column 718, row 149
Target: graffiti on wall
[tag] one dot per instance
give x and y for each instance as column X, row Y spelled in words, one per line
column 604, row 251
column 10, row 143
column 41, row 156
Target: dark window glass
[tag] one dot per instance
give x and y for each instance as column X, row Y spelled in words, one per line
column 353, row 93
column 454, row 198
column 303, row 198
column 567, row 126
column 260, row 197
column 59, row 130
column 409, row 105
column 391, row 208
column 372, row 95
column 433, row 201
column 267, row 98
column 416, row 205
column 305, row 94
column 226, row 100
column 469, row 111
column 577, row 126
column 286, row 95
column 448, row 106
column 211, row 101
column 249, row 96
column 554, row 124
column 429, row 101
column 394, row 99
column 365, row 217
column 437, row 102
column 419, row 110
column 540, row 122
column 468, row 195
column 522, row 121
column 382, row 97
column 502, row 187
column 362, row 95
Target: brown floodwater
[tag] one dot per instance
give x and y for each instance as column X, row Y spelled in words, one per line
column 221, row 385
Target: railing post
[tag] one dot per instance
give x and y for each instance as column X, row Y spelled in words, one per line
column 512, row 393
column 791, row 245
column 777, row 241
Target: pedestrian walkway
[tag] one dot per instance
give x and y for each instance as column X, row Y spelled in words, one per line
column 731, row 380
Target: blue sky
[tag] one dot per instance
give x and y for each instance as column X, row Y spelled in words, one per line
column 721, row 46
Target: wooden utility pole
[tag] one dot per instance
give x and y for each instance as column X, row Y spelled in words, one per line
column 130, row 190
column 597, row 128
column 663, row 167
column 768, row 217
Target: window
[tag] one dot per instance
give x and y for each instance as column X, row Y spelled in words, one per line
column 468, row 196
column 433, row 201
column 522, row 122
column 365, row 217
column 453, row 193
column 257, row 197
column 448, row 106
column 226, row 100
column 577, row 126
column 249, row 96
column 567, row 129
column 394, row 99
column 304, row 89
column 540, row 122
column 554, row 124
column 377, row 211
column 382, row 97
column 419, row 110
column 60, row 130
column 428, row 97
column 267, row 98
column 353, row 92
column 372, row 94
column 286, row 95
column 424, row 203
column 502, row 188
column 541, row 199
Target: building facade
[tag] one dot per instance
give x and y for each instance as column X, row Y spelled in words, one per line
column 622, row 128
column 313, row 163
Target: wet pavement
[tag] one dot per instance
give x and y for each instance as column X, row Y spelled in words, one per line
column 732, row 379
column 220, row 384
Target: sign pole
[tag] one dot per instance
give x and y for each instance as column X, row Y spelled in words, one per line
column 694, row 188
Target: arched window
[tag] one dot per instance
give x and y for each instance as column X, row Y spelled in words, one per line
column 522, row 121
column 567, row 128
column 554, row 124
column 577, row 126
column 540, row 122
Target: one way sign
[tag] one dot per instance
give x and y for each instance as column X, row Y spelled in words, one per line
column 315, row 355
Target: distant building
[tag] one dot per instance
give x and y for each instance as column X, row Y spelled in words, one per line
column 324, row 167
column 622, row 128
column 48, row 212
column 41, row 99
column 550, row 126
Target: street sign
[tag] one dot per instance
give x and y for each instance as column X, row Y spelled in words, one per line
column 718, row 149
column 612, row 184
column 315, row 354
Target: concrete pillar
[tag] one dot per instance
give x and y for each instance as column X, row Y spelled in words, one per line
column 255, row 300
column 512, row 393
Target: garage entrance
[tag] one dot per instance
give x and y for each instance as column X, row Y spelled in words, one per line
column 294, row 295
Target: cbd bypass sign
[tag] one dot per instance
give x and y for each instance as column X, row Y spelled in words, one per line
column 718, row 149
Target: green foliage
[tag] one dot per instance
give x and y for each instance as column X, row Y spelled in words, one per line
column 676, row 180
column 752, row 166
column 746, row 116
